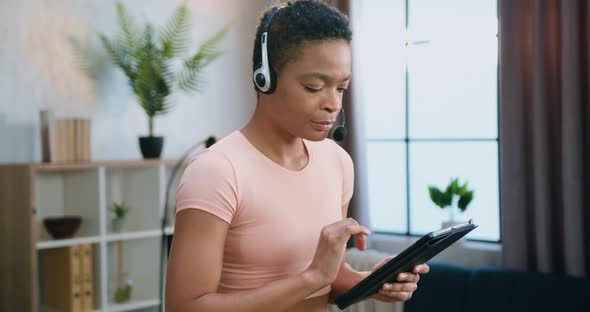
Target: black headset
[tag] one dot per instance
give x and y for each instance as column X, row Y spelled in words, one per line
column 265, row 78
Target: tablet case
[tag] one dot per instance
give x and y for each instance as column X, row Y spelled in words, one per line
column 421, row 251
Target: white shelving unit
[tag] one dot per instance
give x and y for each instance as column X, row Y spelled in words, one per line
column 67, row 242
column 88, row 190
column 134, row 305
column 135, row 235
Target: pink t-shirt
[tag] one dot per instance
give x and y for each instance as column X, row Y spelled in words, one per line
column 275, row 215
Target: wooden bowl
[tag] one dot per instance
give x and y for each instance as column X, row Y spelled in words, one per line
column 62, row 227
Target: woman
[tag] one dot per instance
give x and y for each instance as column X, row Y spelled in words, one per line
column 261, row 215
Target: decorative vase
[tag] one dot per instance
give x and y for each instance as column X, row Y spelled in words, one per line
column 453, row 220
column 449, row 223
column 122, row 288
column 151, row 146
column 118, row 224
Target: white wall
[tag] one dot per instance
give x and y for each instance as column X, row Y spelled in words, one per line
column 38, row 70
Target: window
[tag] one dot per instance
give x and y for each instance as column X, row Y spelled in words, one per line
column 428, row 84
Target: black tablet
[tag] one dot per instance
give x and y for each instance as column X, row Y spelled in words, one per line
column 421, row 251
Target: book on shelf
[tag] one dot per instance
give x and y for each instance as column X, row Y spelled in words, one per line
column 68, row 277
column 44, row 125
column 87, row 277
column 71, row 140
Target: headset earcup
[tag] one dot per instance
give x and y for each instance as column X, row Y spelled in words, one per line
column 273, row 81
column 255, row 74
column 259, row 79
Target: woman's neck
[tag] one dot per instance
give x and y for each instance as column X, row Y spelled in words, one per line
column 275, row 143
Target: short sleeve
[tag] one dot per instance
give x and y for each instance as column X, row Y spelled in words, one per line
column 209, row 184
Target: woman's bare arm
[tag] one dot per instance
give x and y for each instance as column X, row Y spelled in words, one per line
column 194, row 271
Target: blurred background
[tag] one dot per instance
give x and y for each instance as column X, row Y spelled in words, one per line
column 458, row 110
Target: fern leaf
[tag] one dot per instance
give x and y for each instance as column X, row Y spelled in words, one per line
column 116, row 57
column 190, row 78
column 208, row 50
column 129, row 37
column 81, row 56
column 214, row 41
column 90, row 61
column 150, row 87
column 174, row 36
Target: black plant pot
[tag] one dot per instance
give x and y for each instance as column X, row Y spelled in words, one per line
column 151, row 146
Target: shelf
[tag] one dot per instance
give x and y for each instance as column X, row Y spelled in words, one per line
column 62, row 268
column 72, row 193
column 67, row 242
column 138, row 260
column 133, row 235
column 133, row 305
column 44, row 308
column 74, row 166
column 87, row 190
column 139, row 188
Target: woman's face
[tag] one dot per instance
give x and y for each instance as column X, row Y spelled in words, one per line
column 309, row 92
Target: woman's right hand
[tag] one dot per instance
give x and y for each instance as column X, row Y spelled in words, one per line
column 331, row 247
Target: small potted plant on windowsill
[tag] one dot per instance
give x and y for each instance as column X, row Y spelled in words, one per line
column 447, row 198
column 120, row 211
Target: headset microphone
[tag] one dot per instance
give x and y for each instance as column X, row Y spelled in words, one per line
column 340, row 131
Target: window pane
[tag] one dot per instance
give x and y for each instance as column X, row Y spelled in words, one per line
column 380, row 65
column 386, row 164
column 453, row 90
column 453, row 69
column 452, row 19
column 435, row 163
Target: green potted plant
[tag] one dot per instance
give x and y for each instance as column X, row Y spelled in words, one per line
column 120, row 211
column 148, row 57
column 446, row 199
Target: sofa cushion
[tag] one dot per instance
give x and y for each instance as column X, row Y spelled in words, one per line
column 445, row 286
column 493, row 289
column 455, row 288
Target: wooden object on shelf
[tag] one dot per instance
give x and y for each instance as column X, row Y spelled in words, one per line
column 63, row 278
column 45, row 125
column 33, row 191
column 72, row 140
column 87, row 271
column 58, row 141
column 86, row 124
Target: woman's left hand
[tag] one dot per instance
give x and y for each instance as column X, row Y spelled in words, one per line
column 402, row 290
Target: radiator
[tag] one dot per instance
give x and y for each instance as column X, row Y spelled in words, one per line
column 364, row 261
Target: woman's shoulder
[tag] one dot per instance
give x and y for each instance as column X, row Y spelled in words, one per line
column 215, row 158
column 209, row 183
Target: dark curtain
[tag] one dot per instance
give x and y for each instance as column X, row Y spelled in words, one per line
column 545, row 135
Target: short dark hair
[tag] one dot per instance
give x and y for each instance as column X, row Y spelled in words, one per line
column 294, row 23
